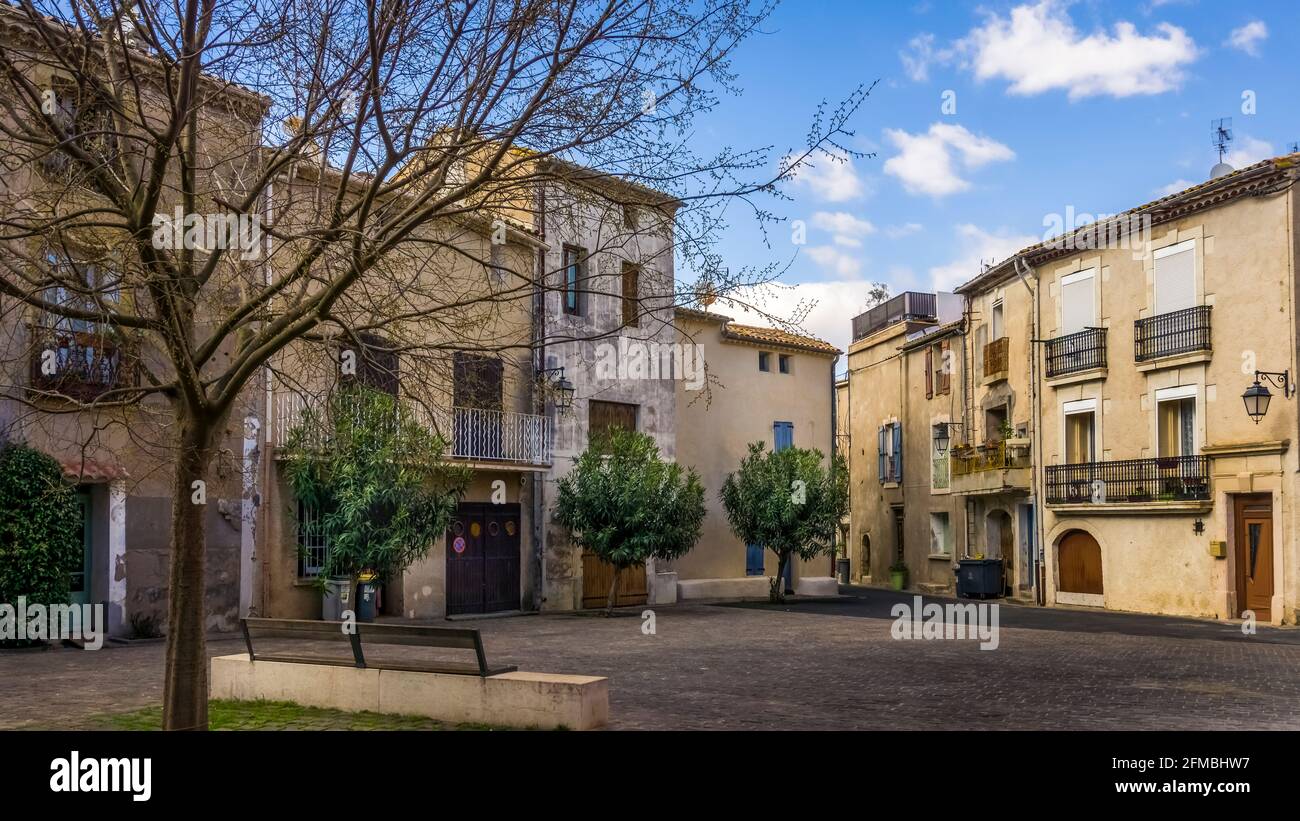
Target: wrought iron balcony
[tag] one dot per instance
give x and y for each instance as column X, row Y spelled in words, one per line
column 1173, row 333
column 909, row 305
column 1163, row 479
column 1080, row 351
column 472, row 434
column 81, row 365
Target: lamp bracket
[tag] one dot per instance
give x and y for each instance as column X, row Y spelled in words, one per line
column 1278, row 379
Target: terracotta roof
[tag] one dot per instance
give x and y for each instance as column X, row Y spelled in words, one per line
column 772, row 336
column 705, row 316
column 1207, row 194
column 77, row 469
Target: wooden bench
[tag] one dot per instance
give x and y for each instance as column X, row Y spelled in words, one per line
column 357, row 634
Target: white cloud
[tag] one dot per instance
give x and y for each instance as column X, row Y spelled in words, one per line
column 847, row 229
column 831, row 177
column 1174, row 187
column 977, row 247
column 906, row 229
column 1248, row 37
column 920, row 54
column 1247, row 150
column 925, row 162
column 1037, row 48
column 834, row 260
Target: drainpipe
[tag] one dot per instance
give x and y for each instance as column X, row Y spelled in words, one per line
column 835, row 430
column 1036, row 470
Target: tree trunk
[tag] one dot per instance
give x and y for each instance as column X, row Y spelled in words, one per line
column 613, row 592
column 778, row 584
column 185, row 686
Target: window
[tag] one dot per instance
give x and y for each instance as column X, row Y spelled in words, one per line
column 631, row 217
column 574, row 259
column 938, row 381
column 89, row 117
column 940, row 535
column 889, row 459
column 631, row 288
column 783, row 363
column 1175, row 277
column 998, row 326
column 764, row 361
column 1078, row 308
column 607, row 416
column 1080, row 431
column 87, row 360
column 1176, row 421
column 497, row 270
column 939, row 465
column 377, row 365
column 313, row 545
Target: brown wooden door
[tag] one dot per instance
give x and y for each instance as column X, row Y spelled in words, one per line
column 1079, row 563
column 1253, row 539
column 596, row 578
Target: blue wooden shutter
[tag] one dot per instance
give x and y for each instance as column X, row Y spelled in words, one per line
column 782, row 435
column 880, row 453
column 898, row 452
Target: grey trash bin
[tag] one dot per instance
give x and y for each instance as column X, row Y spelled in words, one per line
column 337, row 598
column 842, row 568
column 367, row 592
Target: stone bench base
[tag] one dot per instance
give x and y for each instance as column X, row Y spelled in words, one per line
column 817, row 586
column 517, row 699
column 740, row 587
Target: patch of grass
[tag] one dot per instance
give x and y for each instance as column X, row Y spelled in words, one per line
column 277, row 715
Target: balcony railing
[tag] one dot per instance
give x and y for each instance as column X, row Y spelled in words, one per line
column 1173, row 333
column 909, row 305
column 1080, row 351
column 1164, row 479
column 82, row 365
column 474, row 434
column 990, row 456
column 995, row 356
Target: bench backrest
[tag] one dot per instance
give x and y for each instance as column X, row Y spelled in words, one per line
column 455, row 638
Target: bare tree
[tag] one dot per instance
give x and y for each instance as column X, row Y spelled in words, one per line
column 198, row 187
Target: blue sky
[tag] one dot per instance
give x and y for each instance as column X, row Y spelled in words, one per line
column 1053, row 106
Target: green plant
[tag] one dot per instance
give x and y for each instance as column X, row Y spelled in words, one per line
column 377, row 476
column 40, row 528
column 624, row 503
column 786, row 501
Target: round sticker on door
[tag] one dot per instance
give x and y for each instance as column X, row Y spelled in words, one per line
column 474, row 529
column 510, row 527
column 493, row 528
column 458, row 544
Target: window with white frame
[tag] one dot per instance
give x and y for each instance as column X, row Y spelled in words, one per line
column 1078, row 308
column 1176, row 421
column 889, row 442
column 1175, row 277
column 313, row 545
column 1080, row 431
column 940, row 535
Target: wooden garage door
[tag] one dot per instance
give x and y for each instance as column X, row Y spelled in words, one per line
column 1079, row 561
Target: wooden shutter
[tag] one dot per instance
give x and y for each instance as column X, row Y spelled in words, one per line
column 943, row 379
column 880, row 453
column 929, row 372
column 631, row 285
column 477, row 381
column 603, row 416
column 898, row 452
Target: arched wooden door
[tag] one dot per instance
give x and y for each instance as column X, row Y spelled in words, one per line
column 1078, row 558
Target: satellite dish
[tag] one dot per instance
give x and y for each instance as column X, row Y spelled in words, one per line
column 1221, row 170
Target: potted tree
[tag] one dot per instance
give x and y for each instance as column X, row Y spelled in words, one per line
column 376, row 476
column 788, row 502
column 624, row 503
column 898, row 576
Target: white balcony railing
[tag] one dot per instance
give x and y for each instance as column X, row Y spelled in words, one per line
column 473, row 434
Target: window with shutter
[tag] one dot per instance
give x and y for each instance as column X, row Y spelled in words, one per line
column 1077, row 301
column 1175, row 277
column 898, row 453
column 631, row 286
column 880, row 453
column 929, row 373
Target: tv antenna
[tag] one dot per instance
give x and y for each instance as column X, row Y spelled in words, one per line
column 1221, row 135
column 1293, row 148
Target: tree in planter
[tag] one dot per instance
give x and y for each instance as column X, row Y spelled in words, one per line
column 377, row 476
column 40, row 528
column 788, row 503
column 625, row 504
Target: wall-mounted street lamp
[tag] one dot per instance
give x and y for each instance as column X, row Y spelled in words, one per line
column 943, row 435
column 560, row 387
column 1257, row 396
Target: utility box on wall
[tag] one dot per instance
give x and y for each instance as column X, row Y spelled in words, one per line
column 1218, row 548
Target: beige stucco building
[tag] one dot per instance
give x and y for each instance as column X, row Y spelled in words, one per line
column 756, row 385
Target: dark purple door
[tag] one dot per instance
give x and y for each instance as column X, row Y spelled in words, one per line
column 483, row 559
